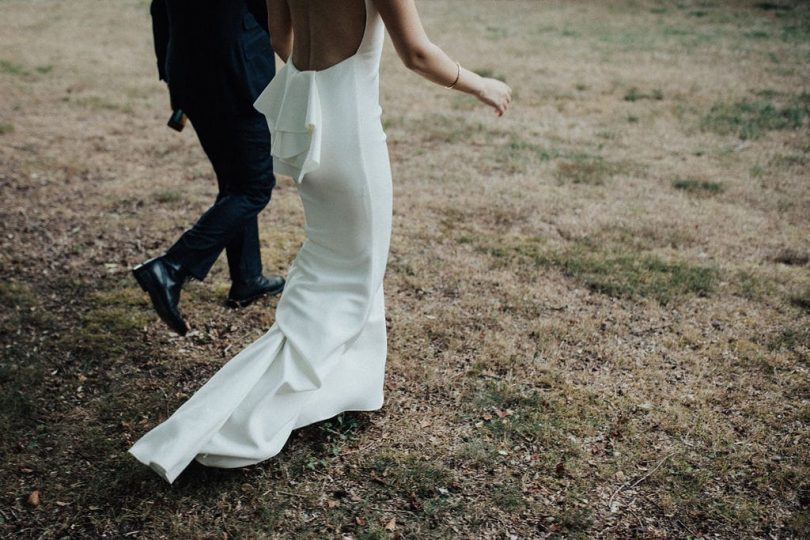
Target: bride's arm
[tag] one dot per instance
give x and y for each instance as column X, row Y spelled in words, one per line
column 280, row 26
column 419, row 54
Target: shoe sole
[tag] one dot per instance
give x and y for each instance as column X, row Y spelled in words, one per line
column 230, row 302
column 145, row 281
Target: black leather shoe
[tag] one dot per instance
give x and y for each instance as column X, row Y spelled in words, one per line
column 163, row 280
column 245, row 293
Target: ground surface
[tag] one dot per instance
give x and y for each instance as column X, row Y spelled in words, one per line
column 599, row 305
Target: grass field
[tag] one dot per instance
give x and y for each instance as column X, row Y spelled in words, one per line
column 599, row 305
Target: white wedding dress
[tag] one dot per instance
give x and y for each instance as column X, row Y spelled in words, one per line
column 326, row 351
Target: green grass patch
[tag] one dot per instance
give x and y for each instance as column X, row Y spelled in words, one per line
column 130, row 297
column 108, row 330
column 168, row 196
column 112, row 325
column 6, row 128
column 790, row 339
column 757, row 34
column 751, row 119
column 799, row 522
column 406, row 473
column 751, row 287
column 519, row 155
column 797, row 26
column 631, row 275
column 22, row 309
column 16, row 295
column 697, row 187
column 792, row 257
column 98, row 103
column 685, row 483
column 773, row 6
column 634, row 94
column 20, row 364
column 326, row 440
column 19, row 373
column 505, row 396
column 616, row 272
column 545, row 413
column 497, row 32
column 553, row 417
column 643, row 238
column 802, row 300
column 508, row 497
column 11, row 68
column 575, row 519
column 690, row 482
column 789, row 161
column 478, row 452
column 391, row 122
column 588, row 169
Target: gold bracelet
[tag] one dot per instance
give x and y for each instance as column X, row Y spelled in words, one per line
column 457, row 76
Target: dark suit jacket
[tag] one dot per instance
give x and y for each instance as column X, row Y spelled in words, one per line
column 215, row 54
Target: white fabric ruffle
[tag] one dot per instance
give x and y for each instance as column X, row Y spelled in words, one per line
column 293, row 109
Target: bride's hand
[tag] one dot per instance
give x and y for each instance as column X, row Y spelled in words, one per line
column 496, row 94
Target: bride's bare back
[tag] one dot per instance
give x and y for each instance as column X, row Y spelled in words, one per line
column 326, row 32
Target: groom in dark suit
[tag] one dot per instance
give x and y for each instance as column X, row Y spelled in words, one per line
column 216, row 57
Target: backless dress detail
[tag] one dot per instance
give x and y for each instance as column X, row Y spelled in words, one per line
column 326, row 351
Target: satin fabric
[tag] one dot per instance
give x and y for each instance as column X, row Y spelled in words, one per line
column 326, row 351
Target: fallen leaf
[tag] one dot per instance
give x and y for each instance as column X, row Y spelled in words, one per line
column 33, row 499
column 360, row 520
column 391, row 525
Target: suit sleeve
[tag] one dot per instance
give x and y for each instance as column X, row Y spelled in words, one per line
column 160, row 32
column 258, row 9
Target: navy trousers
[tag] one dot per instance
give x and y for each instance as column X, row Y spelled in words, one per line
column 239, row 151
column 217, row 58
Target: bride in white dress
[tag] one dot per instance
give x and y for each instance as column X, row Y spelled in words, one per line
column 326, row 351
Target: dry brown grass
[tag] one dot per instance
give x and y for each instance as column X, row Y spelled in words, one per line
column 599, row 305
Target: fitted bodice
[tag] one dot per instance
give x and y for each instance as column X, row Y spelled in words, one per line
column 293, row 101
